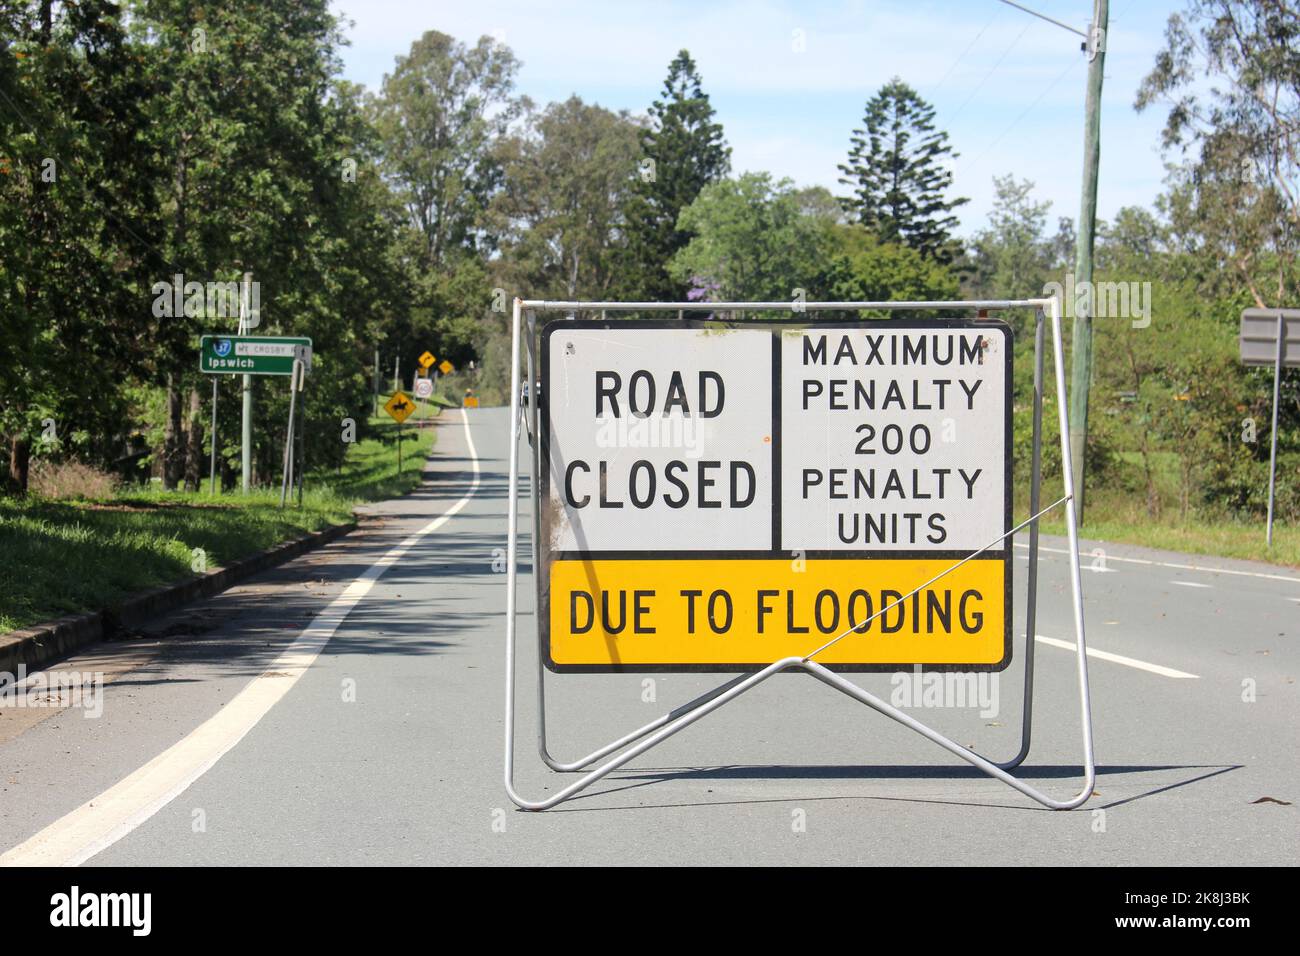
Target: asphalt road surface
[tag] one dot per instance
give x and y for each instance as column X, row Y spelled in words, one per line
column 347, row 708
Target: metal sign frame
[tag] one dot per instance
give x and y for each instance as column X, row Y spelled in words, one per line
column 644, row 738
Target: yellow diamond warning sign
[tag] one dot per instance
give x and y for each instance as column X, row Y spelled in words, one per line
column 426, row 359
column 400, row 407
column 445, row 367
column 719, row 498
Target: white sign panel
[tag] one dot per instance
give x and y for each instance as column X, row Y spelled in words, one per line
column 893, row 440
column 280, row 349
column 660, row 438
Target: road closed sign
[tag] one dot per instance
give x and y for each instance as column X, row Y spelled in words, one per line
column 719, row 497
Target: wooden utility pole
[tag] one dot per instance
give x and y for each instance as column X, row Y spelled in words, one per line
column 1084, row 305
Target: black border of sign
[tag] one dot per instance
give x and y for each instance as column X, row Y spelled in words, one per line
column 544, row 488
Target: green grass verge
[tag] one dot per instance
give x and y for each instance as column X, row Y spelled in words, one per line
column 1126, row 522
column 65, row 557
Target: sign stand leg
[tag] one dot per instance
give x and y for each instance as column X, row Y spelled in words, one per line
column 1031, row 600
column 542, row 748
column 302, row 443
column 212, row 478
column 286, row 478
column 246, row 435
column 246, row 424
column 1272, row 457
column 684, row 716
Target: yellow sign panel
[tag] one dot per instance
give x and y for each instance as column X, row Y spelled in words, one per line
column 427, row 359
column 471, row 401
column 731, row 613
column 446, row 368
column 400, row 407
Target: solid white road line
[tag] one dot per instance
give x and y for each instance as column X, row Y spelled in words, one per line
column 1118, row 659
column 1191, row 584
column 98, row 824
column 1168, row 564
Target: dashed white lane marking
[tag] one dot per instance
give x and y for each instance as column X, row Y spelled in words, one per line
column 1118, row 659
column 1168, row 564
column 98, row 824
column 1191, row 584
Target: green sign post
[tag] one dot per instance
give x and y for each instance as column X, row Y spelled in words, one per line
column 249, row 354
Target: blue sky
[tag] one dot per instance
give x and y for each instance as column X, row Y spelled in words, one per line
column 1007, row 87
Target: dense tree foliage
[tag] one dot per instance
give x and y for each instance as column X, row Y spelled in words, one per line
column 682, row 151
column 75, row 211
column 754, row 238
column 160, row 141
column 897, row 175
column 560, row 211
column 441, row 117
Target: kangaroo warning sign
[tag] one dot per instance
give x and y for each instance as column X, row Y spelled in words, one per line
column 717, row 497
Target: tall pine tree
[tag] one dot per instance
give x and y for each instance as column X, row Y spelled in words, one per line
column 895, row 168
column 682, row 151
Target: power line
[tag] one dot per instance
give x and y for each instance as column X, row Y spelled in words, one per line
column 934, row 89
column 1043, row 16
column 1016, row 122
column 1005, row 53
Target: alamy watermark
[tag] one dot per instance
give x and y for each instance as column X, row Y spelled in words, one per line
column 53, row 689
column 1103, row 300
column 212, row 300
column 948, row 689
column 684, row 433
column 75, row 908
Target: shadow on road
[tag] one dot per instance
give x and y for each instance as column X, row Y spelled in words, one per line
column 241, row 632
column 636, row 779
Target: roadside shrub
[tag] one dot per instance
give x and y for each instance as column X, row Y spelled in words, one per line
column 69, row 479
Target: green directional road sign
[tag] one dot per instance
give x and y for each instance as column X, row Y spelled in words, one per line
column 250, row 354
